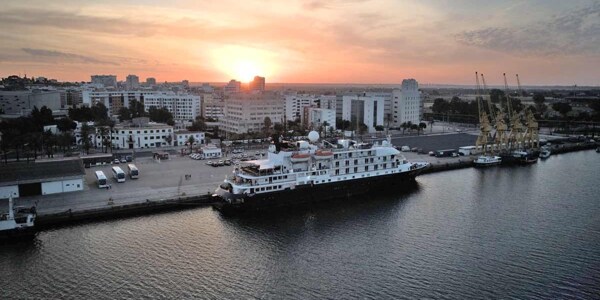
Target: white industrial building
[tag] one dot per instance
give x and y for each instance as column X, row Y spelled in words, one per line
column 184, row 107
column 41, row 178
column 246, row 112
column 232, row 87
column 182, row 137
column 364, row 109
column 407, row 104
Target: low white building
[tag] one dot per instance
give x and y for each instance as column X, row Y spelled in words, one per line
column 182, row 137
column 211, row 151
column 130, row 136
column 42, row 177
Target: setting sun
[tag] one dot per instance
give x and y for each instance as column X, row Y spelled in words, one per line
column 246, row 70
column 243, row 63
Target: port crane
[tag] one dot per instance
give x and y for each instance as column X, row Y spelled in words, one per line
column 484, row 122
column 531, row 138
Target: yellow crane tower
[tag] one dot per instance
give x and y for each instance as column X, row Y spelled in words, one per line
column 484, row 122
column 531, row 138
column 515, row 137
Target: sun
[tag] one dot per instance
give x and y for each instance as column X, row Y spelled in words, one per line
column 243, row 63
column 246, row 70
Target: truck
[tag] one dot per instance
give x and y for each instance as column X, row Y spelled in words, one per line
column 446, row 153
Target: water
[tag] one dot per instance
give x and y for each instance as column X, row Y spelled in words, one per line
column 519, row 232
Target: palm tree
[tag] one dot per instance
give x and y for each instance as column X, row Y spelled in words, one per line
column 403, row 126
column 422, row 126
column 103, row 131
column 85, row 140
column 111, row 126
column 191, row 141
column 268, row 124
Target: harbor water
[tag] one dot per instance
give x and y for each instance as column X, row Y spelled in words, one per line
column 527, row 232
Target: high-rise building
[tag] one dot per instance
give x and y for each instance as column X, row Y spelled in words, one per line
column 317, row 117
column 295, row 104
column 105, row 80
column 407, row 103
column 258, row 84
column 232, row 87
column 366, row 110
column 246, row 112
column 184, row 107
column 212, row 106
column 132, row 82
column 151, row 81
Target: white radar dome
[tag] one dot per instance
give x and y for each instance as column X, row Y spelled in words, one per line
column 313, row 136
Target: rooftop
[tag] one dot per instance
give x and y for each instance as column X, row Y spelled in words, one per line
column 38, row 171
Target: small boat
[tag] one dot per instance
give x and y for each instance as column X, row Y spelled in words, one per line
column 300, row 157
column 486, row 161
column 545, row 153
column 18, row 222
column 598, row 149
column 323, row 154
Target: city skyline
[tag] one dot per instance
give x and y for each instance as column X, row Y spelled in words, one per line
column 545, row 42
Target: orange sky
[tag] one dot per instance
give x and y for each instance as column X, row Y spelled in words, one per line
column 352, row 41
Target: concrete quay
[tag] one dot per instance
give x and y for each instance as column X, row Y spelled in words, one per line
column 164, row 186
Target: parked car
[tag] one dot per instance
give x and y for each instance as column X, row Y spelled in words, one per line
column 227, row 162
column 431, row 153
column 116, row 161
column 405, row 149
column 209, row 163
column 123, row 160
column 129, row 158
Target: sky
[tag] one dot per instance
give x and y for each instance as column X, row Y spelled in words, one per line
column 546, row 42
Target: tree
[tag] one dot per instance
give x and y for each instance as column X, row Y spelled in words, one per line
column 404, row 126
column 160, row 115
column 422, row 126
column 267, row 125
column 198, row 125
column 362, row 128
column 191, row 141
column 538, row 98
column 66, row 124
column 379, row 128
column 124, row 114
column 440, row 106
column 137, row 109
column 562, row 108
column 168, row 139
column 414, row 127
column 99, row 112
column 497, row 95
column 103, row 131
column 278, row 127
column 49, row 141
column 64, row 140
column 85, row 140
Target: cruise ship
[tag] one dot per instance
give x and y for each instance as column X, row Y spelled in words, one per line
column 307, row 171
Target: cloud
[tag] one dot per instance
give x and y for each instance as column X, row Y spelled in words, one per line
column 572, row 33
column 66, row 56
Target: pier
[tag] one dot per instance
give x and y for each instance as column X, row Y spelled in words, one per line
column 179, row 183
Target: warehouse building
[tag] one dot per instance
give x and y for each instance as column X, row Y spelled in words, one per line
column 41, row 178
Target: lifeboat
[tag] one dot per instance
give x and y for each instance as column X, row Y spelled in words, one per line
column 300, row 157
column 323, row 154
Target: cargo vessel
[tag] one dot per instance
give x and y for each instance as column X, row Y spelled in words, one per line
column 302, row 172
